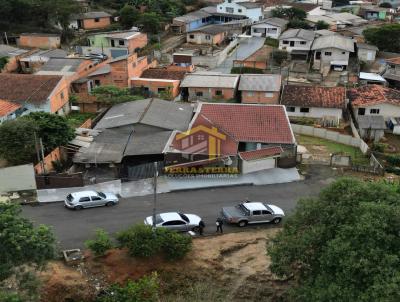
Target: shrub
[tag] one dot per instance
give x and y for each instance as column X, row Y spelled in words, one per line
column 241, row 70
column 379, row 147
column 140, row 240
column 279, row 56
column 142, row 290
column 100, row 244
column 143, row 242
column 394, row 160
column 272, row 42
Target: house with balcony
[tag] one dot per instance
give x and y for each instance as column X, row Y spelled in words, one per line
column 128, row 40
column 250, row 10
column 332, row 52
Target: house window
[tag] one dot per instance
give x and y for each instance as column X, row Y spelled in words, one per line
column 208, row 37
column 96, row 20
column 361, row 111
column 250, row 93
column 328, row 53
column 374, row 111
column 239, row 10
column 343, row 52
column 269, row 94
column 291, row 109
column 191, row 36
column 62, row 95
column 285, row 42
column 200, row 137
column 304, row 110
column 203, row 20
column 229, row 10
column 218, row 92
column 97, row 82
column 26, row 64
column 161, row 89
column 229, row 1
column 121, row 42
column 303, row 42
column 199, row 93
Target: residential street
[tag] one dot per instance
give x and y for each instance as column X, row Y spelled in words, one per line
column 72, row 228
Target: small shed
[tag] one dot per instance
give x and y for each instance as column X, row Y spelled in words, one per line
column 366, row 52
column 372, row 127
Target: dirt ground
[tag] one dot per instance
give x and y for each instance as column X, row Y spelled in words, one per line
column 231, row 267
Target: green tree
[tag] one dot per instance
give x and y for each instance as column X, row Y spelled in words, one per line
column 321, row 25
column 129, row 16
column 22, row 243
column 150, row 22
column 143, row 290
column 289, row 13
column 385, row 5
column 100, row 244
column 10, row 297
column 343, row 245
column 385, row 37
column 17, row 141
column 3, row 62
column 112, row 95
column 279, row 56
column 297, row 23
column 52, row 128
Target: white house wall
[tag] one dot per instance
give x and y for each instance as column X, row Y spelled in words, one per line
column 258, row 165
column 386, row 110
column 264, row 28
column 337, row 55
column 316, row 112
column 366, row 54
column 255, row 14
column 297, row 45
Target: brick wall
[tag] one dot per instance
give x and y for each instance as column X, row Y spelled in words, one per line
column 56, row 154
column 259, row 97
column 92, row 24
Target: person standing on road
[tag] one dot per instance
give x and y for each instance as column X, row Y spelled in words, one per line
column 219, row 224
column 201, row 227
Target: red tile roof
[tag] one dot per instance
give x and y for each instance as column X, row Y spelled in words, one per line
column 163, row 73
column 373, row 94
column 29, row 88
column 395, row 61
column 314, row 96
column 249, row 122
column 7, row 107
column 262, row 153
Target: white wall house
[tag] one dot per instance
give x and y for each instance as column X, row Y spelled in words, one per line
column 332, row 52
column 375, row 100
column 272, row 27
column 366, row 52
column 316, row 102
column 250, row 10
column 296, row 40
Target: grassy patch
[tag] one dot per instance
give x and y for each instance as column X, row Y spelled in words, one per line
column 75, row 119
column 272, row 42
column 333, row 147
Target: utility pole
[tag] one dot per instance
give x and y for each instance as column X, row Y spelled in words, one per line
column 5, row 34
column 41, row 148
column 155, row 194
column 37, row 149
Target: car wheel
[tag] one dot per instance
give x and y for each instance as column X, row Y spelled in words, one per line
column 196, row 229
column 109, row 204
column 78, row 208
column 242, row 223
column 276, row 220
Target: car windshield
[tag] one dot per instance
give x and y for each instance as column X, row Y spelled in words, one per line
column 184, row 217
column 101, row 194
column 243, row 209
column 159, row 219
column 69, row 197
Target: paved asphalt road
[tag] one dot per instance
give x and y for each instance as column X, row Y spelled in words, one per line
column 72, row 228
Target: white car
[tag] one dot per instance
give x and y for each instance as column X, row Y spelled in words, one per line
column 89, row 199
column 175, row 221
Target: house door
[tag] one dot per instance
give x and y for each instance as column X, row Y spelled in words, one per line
column 112, row 43
column 318, row 55
column 291, row 43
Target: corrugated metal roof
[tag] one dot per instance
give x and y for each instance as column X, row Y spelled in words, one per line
column 298, row 33
column 333, row 41
column 260, row 82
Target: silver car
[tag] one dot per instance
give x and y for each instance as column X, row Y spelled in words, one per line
column 89, row 199
column 252, row 212
column 175, row 221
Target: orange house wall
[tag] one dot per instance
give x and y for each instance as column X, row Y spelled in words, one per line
column 227, row 93
column 138, row 42
column 56, row 101
column 39, row 42
column 154, row 85
column 259, row 97
column 91, row 24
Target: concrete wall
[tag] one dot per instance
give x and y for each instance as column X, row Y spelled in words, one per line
column 37, row 41
column 213, row 61
column 266, row 30
column 332, row 136
column 258, row 165
column 205, row 39
column 210, row 94
column 17, row 178
column 92, row 24
column 297, row 44
column 154, row 84
column 366, row 55
column 336, row 55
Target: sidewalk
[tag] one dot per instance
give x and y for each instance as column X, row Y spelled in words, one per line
column 169, row 184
